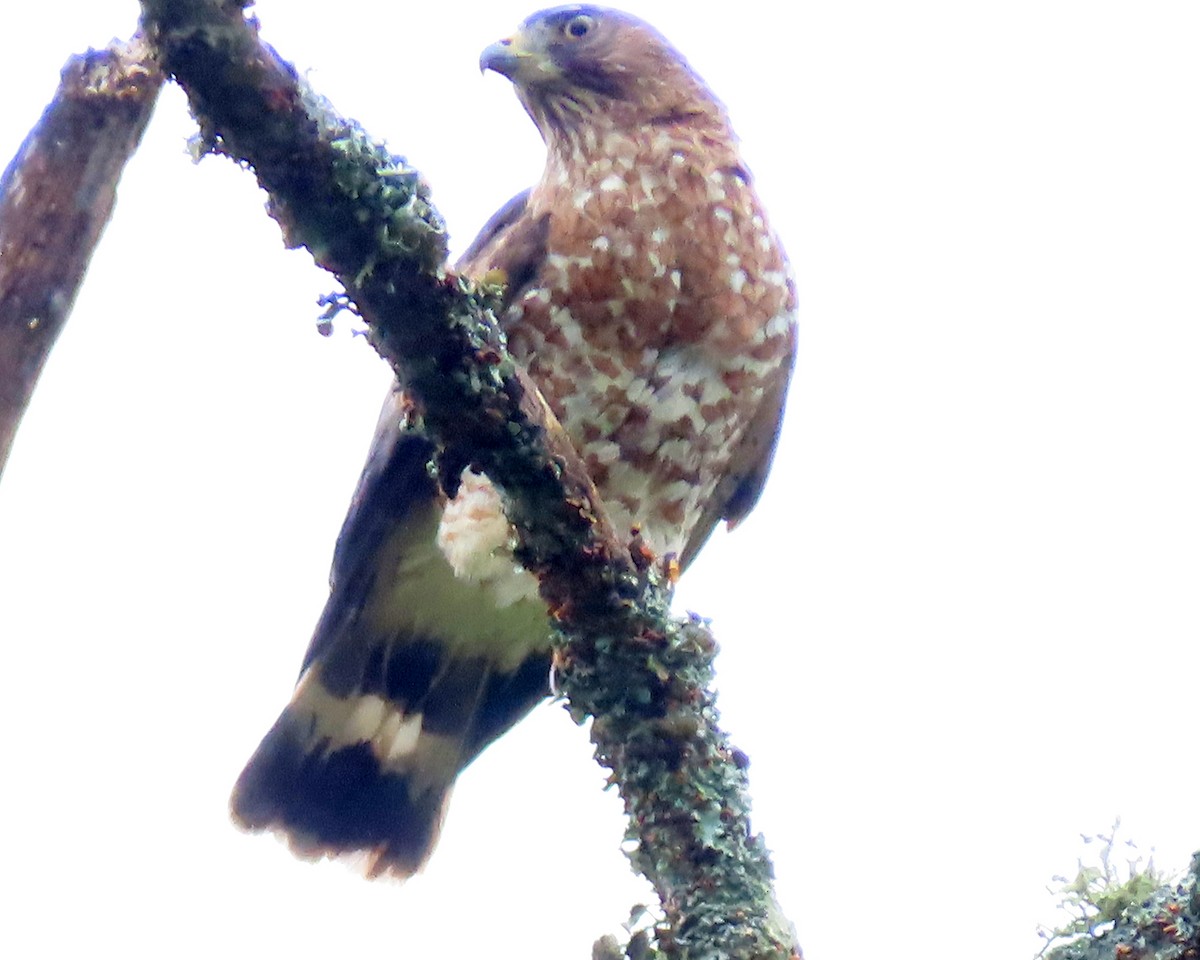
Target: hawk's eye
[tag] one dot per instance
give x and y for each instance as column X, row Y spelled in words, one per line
column 579, row 27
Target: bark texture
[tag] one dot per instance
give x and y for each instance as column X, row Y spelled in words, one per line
column 55, row 198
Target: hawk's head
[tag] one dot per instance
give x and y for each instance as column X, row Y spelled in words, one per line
column 580, row 64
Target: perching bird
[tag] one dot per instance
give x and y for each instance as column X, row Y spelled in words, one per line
column 653, row 306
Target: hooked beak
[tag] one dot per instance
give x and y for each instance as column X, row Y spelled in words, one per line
column 520, row 58
column 503, row 56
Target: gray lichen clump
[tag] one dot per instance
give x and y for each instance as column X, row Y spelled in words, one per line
column 392, row 198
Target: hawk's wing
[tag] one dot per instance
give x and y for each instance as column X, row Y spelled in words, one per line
column 512, row 241
column 396, row 475
column 409, row 673
column 741, row 487
column 396, row 488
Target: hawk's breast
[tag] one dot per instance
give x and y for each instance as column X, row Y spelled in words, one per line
column 660, row 311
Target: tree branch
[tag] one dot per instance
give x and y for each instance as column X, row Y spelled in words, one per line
column 55, row 198
column 366, row 216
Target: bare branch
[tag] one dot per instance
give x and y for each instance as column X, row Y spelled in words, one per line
column 365, row 216
column 55, row 198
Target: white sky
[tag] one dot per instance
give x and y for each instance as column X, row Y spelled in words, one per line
column 962, row 628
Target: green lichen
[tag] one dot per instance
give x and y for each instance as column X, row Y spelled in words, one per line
column 388, row 199
column 1119, row 906
column 655, row 725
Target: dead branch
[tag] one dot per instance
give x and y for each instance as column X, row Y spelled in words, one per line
column 55, row 198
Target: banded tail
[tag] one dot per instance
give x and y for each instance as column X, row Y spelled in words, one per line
column 414, row 668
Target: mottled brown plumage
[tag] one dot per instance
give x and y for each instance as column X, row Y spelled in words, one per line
column 651, row 303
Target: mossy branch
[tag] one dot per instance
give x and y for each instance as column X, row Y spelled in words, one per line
column 643, row 677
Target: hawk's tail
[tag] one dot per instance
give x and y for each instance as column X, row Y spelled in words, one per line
column 350, row 776
column 364, row 770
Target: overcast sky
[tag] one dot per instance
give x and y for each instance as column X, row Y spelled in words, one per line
column 962, row 628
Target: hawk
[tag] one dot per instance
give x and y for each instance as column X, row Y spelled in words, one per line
column 653, row 306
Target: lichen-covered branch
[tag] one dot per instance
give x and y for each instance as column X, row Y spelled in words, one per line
column 55, row 198
column 642, row 676
column 1165, row 925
